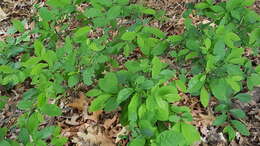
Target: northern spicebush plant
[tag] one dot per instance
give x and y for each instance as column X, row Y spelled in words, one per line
column 72, row 46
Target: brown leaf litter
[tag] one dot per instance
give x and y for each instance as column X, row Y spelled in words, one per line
column 88, row 129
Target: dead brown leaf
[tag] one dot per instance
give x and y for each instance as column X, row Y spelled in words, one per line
column 3, row 15
column 94, row 117
column 123, row 131
column 79, row 103
column 73, row 121
column 90, row 135
column 108, row 122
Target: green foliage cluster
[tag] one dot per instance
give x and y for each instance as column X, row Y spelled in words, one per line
column 146, row 88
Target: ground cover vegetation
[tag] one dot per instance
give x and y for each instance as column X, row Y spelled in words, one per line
column 211, row 61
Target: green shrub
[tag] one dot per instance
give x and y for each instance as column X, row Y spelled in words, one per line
column 146, row 88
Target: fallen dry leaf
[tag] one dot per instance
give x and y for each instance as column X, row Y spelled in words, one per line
column 3, row 15
column 123, row 131
column 73, row 121
column 94, row 117
column 90, row 136
column 79, row 103
column 109, row 122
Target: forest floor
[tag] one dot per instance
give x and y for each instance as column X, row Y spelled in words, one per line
column 101, row 128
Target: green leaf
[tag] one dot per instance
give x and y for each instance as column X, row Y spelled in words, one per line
column 7, row 69
column 196, row 83
column 3, row 101
column 162, row 109
column 139, row 141
column 124, row 94
column 99, row 102
column 155, row 31
column 96, row 47
column 93, row 92
column 81, row 33
column 190, row 133
column 175, row 38
column 236, row 53
column 109, row 83
column 219, row 88
column 255, row 36
column 231, row 4
column 210, row 2
column 4, row 143
column 87, row 76
column 211, row 60
column 165, row 90
column 73, row 80
column 220, row 120
column 46, row 14
column 159, row 48
column 169, row 93
column 230, row 38
column 170, row 138
column 92, row 12
column 157, row 66
column 172, row 97
column 58, row 3
column 59, row 141
column 238, row 113
column 236, row 14
column 147, row 84
column 247, row 3
column 243, row 97
column 111, row 104
column 257, row 69
column 201, row 6
column 217, row 9
column 234, row 84
column 193, row 45
column 187, row 117
column 133, row 66
column 100, row 21
column 114, row 12
column 3, row 132
column 122, row 2
column 253, row 81
column 180, row 109
column 240, row 127
column 132, row 108
column 142, row 43
column 47, row 132
column 128, row 36
column 38, row 68
column 181, row 85
column 24, row 136
column 146, row 128
column 148, row 11
column 174, row 118
column 207, row 43
column 191, row 55
column 25, row 104
column 221, row 108
column 18, row 25
column 230, row 131
column 107, row 3
column 219, row 49
column 51, row 110
column 204, row 97
column 39, row 49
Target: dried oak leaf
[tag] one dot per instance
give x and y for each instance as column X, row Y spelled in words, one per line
column 90, row 135
column 94, row 117
column 79, row 103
